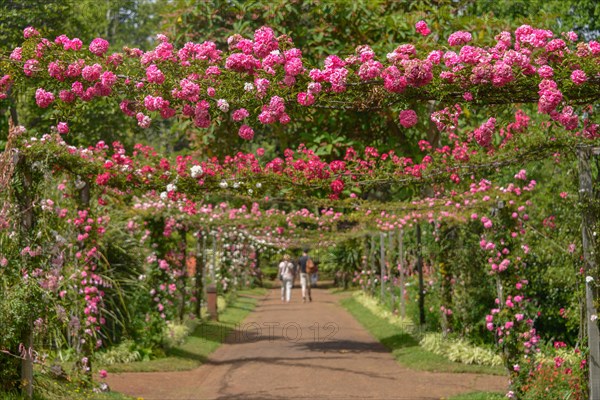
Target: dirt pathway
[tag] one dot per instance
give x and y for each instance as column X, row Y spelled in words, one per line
column 303, row 351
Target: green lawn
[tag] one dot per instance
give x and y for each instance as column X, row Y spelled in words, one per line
column 405, row 348
column 479, row 396
column 204, row 340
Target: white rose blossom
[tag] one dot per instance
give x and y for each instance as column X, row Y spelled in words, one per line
column 171, row 187
column 223, row 105
column 196, row 171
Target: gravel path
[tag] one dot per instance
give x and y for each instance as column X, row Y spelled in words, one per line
column 301, row 351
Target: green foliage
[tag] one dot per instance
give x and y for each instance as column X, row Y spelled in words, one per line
column 344, row 260
column 479, row 396
column 459, row 350
column 405, row 347
column 206, row 337
column 124, row 352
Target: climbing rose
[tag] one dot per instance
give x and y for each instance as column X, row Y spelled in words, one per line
column 545, row 72
column 154, row 74
column 42, row 98
column 30, row 31
column 578, row 77
column 99, row 46
column 196, row 171
column 483, row 134
column 223, row 105
column 460, row 37
column 337, row 186
column 305, row 99
column 143, row 120
column 240, row 114
column 422, row 28
column 522, row 174
column 246, row 132
column 62, row 128
column 408, row 118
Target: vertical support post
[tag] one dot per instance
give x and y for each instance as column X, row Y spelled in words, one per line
column 364, row 262
column 211, row 294
column 199, row 289
column 204, row 263
column 390, row 268
column 184, row 274
column 420, row 271
column 25, row 200
column 382, row 262
column 401, row 262
column 214, row 256
column 588, row 223
column 84, row 197
column 372, row 263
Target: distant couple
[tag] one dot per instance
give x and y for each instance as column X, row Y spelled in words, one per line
column 287, row 272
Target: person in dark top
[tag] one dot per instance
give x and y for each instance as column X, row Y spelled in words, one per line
column 304, row 264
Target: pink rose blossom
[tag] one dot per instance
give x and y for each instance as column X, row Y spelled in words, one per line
column 43, row 98
column 337, row 186
column 460, row 37
column 246, row 132
column 98, row 46
column 62, row 128
column 30, row 32
column 408, row 118
column 578, row 77
column 422, row 28
column 305, row 99
column 240, row 114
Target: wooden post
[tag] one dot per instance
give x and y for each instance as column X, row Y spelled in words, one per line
column 390, row 268
column 421, row 285
column 588, row 224
column 204, row 264
column 183, row 278
column 382, row 262
column 364, row 262
column 214, row 258
column 372, row 263
column 401, row 262
column 211, row 300
column 199, row 283
column 25, row 200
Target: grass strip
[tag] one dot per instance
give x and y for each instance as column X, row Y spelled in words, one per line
column 479, row 396
column 405, row 348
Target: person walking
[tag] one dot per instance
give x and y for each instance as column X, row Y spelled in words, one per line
column 286, row 276
column 306, row 267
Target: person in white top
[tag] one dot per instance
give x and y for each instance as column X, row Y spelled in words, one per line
column 286, row 275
